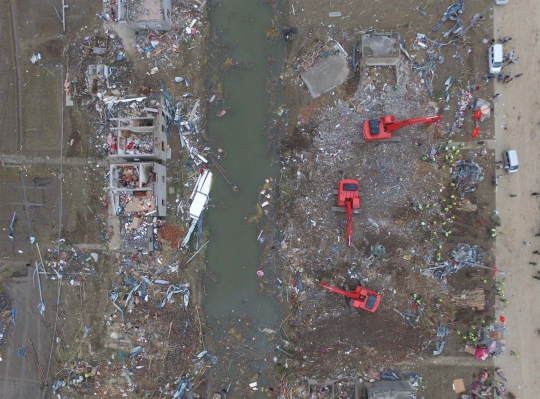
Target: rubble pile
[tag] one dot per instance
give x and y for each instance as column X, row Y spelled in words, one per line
column 415, row 197
column 138, row 235
column 96, row 69
column 487, row 384
column 389, row 184
column 171, row 234
column 162, row 49
column 73, row 263
column 466, row 176
column 463, row 256
column 153, row 328
column 398, row 189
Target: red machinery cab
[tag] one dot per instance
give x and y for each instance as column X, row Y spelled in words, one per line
column 374, row 129
column 369, row 301
column 349, row 199
column 348, row 191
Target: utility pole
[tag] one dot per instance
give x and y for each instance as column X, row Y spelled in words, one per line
column 41, row 305
column 37, row 362
column 63, row 16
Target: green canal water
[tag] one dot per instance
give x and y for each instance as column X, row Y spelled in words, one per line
column 232, row 301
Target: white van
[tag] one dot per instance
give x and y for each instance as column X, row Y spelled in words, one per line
column 495, row 58
column 511, row 161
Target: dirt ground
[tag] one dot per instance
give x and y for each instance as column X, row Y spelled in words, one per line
column 517, row 127
column 324, row 144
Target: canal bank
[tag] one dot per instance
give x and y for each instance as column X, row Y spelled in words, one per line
column 246, row 49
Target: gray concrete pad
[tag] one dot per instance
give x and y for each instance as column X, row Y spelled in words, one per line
column 380, row 46
column 327, row 74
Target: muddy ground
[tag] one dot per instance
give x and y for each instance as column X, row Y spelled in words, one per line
column 324, row 145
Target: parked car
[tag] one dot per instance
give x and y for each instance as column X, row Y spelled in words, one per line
column 495, row 58
column 511, row 161
column 501, row 2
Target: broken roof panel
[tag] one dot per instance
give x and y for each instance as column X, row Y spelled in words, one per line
column 199, row 196
column 330, row 70
column 380, row 47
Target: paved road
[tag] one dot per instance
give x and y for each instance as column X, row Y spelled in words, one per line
column 517, row 110
column 8, row 87
column 19, row 376
column 14, row 159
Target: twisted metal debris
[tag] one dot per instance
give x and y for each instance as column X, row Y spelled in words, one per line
column 464, row 256
column 466, row 176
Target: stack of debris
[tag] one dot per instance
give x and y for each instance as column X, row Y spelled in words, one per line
column 91, row 74
column 139, row 235
column 162, row 44
column 466, row 176
column 72, row 262
column 487, row 386
column 490, row 341
column 463, row 256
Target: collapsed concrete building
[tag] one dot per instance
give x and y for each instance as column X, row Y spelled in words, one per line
column 138, row 151
column 138, row 188
column 141, row 138
column 380, row 49
column 98, row 77
column 146, row 14
column 138, row 194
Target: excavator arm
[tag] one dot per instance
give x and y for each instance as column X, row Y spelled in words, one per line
column 392, row 127
column 351, row 294
column 349, row 211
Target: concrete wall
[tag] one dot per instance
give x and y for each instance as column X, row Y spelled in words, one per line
column 160, row 149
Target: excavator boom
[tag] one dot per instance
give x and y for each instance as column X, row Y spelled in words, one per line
column 350, row 294
column 398, row 125
column 348, row 210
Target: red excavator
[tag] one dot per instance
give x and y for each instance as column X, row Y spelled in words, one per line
column 382, row 128
column 360, row 298
column 348, row 199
